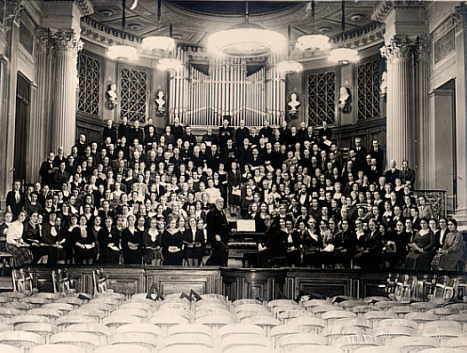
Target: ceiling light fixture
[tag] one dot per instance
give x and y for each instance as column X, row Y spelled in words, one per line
column 161, row 43
column 310, row 42
column 313, row 42
column 246, row 40
column 170, row 64
column 343, row 55
column 122, row 52
column 166, row 46
column 289, row 65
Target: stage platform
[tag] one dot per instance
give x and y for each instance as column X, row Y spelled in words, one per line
column 234, row 283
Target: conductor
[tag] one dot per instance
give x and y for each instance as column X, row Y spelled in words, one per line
column 218, row 233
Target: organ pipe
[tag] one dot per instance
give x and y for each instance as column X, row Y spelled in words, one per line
column 202, row 100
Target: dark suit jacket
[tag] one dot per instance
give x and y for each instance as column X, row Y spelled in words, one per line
column 16, row 207
column 216, row 223
column 188, row 237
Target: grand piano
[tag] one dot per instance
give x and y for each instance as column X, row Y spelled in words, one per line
column 243, row 243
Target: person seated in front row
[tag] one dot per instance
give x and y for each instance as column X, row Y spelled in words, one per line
column 451, row 254
column 421, row 248
column 369, row 245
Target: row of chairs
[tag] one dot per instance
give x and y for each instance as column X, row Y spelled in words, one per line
column 111, row 322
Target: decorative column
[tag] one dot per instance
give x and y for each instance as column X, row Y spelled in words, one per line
column 461, row 115
column 9, row 81
column 40, row 103
column 400, row 108
column 422, row 140
column 66, row 45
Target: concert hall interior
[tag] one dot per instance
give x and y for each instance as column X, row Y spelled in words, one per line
column 305, row 159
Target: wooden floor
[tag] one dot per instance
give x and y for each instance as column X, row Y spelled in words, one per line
column 234, row 283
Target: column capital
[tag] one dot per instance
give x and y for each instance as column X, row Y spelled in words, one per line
column 43, row 38
column 459, row 17
column 422, row 46
column 398, row 47
column 63, row 39
column 12, row 13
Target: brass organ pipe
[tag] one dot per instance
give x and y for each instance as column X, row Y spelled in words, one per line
column 216, row 95
column 177, row 80
column 190, row 97
column 206, row 97
column 226, row 88
column 210, row 85
column 223, row 87
column 237, row 91
column 232, row 91
column 195, row 95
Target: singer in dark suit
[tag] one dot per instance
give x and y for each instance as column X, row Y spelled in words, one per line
column 218, row 233
column 15, row 199
column 193, row 238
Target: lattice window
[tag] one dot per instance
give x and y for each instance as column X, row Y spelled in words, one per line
column 89, row 69
column 322, row 97
column 368, row 89
column 134, row 86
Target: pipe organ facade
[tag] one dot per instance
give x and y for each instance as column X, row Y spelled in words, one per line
column 229, row 86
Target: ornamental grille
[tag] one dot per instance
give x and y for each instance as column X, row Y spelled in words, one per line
column 368, row 90
column 134, row 94
column 321, row 97
column 89, row 69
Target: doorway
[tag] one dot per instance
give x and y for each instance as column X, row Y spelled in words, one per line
column 22, row 117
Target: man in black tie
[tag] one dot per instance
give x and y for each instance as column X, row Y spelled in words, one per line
column 15, row 200
column 218, row 233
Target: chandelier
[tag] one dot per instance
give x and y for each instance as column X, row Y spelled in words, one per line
column 289, row 65
column 344, row 56
column 246, row 39
column 122, row 52
column 313, row 42
column 159, row 43
column 170, row 64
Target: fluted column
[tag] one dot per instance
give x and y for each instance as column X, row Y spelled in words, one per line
column 63, row 126
column 400, row 109
column 40, row 108
column 423, row 132
column 461, row 115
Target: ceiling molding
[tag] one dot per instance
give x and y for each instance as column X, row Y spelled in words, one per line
column 384, row 8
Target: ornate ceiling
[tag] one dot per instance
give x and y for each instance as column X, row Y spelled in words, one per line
column 193, row 20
